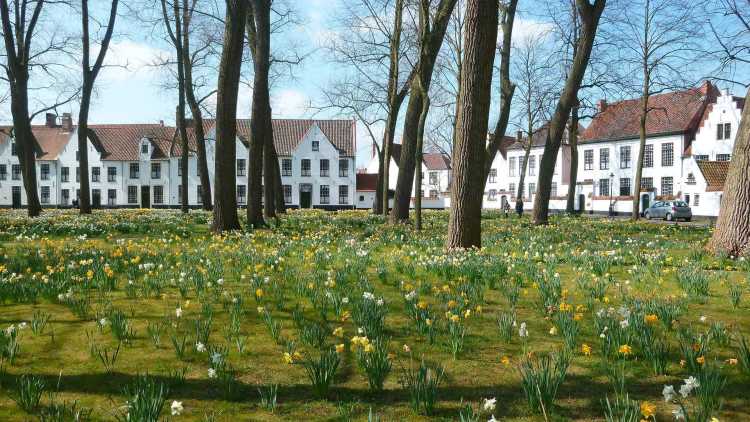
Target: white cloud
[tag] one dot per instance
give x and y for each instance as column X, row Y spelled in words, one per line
column 129, row 59
column 524, row 29
column 290, row 103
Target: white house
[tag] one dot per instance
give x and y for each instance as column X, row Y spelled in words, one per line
column 137, row 165
column 436, row 177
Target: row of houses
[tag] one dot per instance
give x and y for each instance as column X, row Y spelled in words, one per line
column 689, row 141
column 137, row 165
column 690, row 138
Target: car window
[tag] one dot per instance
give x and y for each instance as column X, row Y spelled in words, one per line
column 656, row 204
column 680, row 204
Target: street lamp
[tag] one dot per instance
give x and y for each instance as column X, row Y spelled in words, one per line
column 611, row 187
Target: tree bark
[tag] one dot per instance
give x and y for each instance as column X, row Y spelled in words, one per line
column 590, row 15
column 89, row 77
column 573, row 142
column 195, row 111
column 431, row 40
column 645, row 96
column 181, row 129
column 225, row 188
column 732, row 233
column 377, row 207
column 418, row 160
column 507, row 89
column 464, row 225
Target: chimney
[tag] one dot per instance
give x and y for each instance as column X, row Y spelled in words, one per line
column 66, row 122
column 601, row 106
column 519, row 135
column 705, row 88
column 161, row 122
column 51, row 120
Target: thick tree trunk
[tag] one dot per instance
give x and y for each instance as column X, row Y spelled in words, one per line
column 573, row 142
column 181, row 129
column 84, row 188
column 26, row 143
column 464, row 225
column 732, row 233
column 196, row 113
column 507, row 89
column 590, row 15
column 641, row 144
column 225, row 211
column 418, row 160
column 431, row 41
column 269, row 173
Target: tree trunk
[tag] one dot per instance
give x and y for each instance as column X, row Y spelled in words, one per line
column 464, row 225
column 279, row 186
column 84, row 188
column 269, row 173
column 431, row 41
column 196, row 113
column 181, row 129
column 573, row 142
column 507, row 89
column 732, row 233
column 522, row 175
column 418, row 160
column 225, row 211
column 590, row 15
column 641, row 144
column 377, row 207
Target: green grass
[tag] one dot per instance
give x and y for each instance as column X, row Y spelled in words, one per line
column 309, row 254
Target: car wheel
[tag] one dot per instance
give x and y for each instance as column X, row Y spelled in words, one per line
column 670, row 217
column 647, row 215
column 689, row 219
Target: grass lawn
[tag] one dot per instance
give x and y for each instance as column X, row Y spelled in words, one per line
column 598, row 310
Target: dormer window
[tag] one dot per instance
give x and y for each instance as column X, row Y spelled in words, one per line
column 691, row 179
column 144, row 148
column 316, row 145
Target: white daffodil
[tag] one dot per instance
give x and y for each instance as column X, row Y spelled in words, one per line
column 668, row 393
column 489, row 404
column 176, row 408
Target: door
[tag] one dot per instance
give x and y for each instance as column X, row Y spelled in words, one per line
column 305, row 195
column 581, row 202
column 145, row 197
column 645, row 202
column 96, row 198
column 16, row 197
column 65, row 197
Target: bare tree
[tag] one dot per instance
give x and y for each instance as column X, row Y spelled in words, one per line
column 89, row 77
column 658, row 39
column 732, row 233
column 431, row 34
column 589, row 15
column 20, row 20
column 464, row 225
column 225, row 181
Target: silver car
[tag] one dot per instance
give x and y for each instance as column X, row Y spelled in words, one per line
column 669, row 210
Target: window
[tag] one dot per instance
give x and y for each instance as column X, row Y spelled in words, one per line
column 434, row 177
column 315, row 145
column 15, row 172
column 286, row 167
column 647, row 183
column 287, row 194
column 604, row 159
column 512, row 190
column 696, row 200
column 625, row 186
column 158, row 194
column 95, row 174
column 13, row 149
column 324, row 194
column 241, row 194
column 305, row 167
column 78, row 155
column 512, row 166
column 144, row 148
column 723, row 157
column 132, row 194
column 44, row 171
column 78, row 174
column 156, row 170
column 667, row 154
column 434, row 194
column 691, row 179
column 648, row 156
column 199, row 194
column 111, row 174
column 603, row 187
column 64, row 196
column 241, row 167
column 493, row 175
column 45, row 195
column 111, row 197
column 532, row 189
column 666, row 186
column 553, row 190
column 625, row 157
column 135, row 170
column 701, row 157
column 588, row 159
column 343, row 194
column 3, row 172
column 324, row 165
column 532, row 165
column 687, row 199
column 343, row 168
column 492, row 195
column 723, row 131
column 65, row 174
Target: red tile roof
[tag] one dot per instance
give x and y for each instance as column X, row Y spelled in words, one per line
column 432, row 160
column 121, row 142
column 715, row 173
column 672, row 112
column 50, row 140
column 367, row 182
